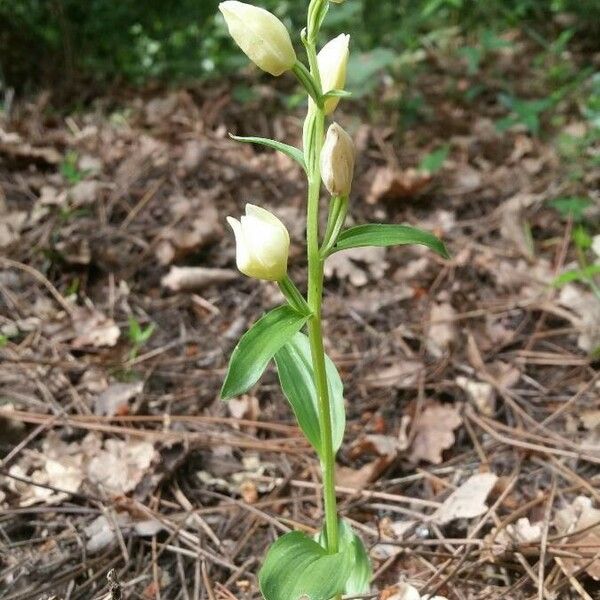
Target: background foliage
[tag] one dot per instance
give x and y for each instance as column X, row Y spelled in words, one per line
column 47, row 41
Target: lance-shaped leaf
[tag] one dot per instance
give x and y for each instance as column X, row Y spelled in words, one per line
column 298, row 567
column 379, row 234
column 258, row 346
column 337, row 94
column 294, row 365
column 291, row 151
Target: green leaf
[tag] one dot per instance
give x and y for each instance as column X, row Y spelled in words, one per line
column 337, row 94
column 573, row 206
column 434, row 161
column 294, row 366
column 362, row 572
column 583, row 240
column 378, row 234
column 583, row 275
column 297, row 566
column 257, row 347
column 291, row 151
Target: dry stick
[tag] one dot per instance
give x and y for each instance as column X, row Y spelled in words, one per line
column 467, row 551
column 544, row 541
column 201, row 440
column 164, row 419
column 563, row 408
column 572, row 580
column 175, row 530
column 551, row 292
column 142, row 203
column 188, row 506
column 24, row 442
column 348, row 490
column 241, row 570
column 470, row 413
column 155, row 569
column 182, row 578
column 577, row 481
column 45, row 282
column 207, row 583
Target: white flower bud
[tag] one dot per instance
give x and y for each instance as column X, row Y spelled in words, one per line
column 333, row 61
column 261, row 36
column 262, row 244
column 337, row 161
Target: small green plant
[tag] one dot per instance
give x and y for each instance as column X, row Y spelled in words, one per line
column 524, row 112
column 434, row 161
column 334, row 562
column 69, row 169
column 138, row 336
column 587, row 272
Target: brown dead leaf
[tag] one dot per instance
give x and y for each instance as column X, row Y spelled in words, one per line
column 188, row 235
column 11, row 224
column 115, row 465
column 512, row 221
column 194, row 152
column 14, row 147
column 404, row 374
column 441, row 332
column 481, row 393
column 503, row 543
column 92, row 328
column 590, row 419
column 120, row 465
column 86, row 192
column 405, row 591
column 391, row 184
column 360, row 478
column 468, row 501
column 357, row 265
column 585, row 310
column 579, row 515
column 434, row 432
column 115, row 399
column 466, row 180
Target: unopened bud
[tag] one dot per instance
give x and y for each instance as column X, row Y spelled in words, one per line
column 333, row 61
column 337, row 161
column 261, row 35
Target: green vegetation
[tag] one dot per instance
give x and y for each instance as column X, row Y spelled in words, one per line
column 46, row 41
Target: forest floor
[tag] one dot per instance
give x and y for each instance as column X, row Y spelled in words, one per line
column 470, row 461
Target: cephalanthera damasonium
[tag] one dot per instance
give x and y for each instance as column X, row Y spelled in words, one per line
column 334, row 562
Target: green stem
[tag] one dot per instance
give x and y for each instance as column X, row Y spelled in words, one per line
column 308, row 82
column 337, row 215
column 314, row 134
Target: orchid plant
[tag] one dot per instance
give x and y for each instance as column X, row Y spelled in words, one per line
column 334, row 562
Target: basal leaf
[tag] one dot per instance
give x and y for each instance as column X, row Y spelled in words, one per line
column 257, row 347
column 291, row 151
column 297, row 566
column 361, row 572
column 294, row 366
column 379, row 234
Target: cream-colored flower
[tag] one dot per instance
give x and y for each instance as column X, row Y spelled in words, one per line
column 333, row 62
column 261, row 36
column 262, row 244
column 596, row 247
column 337, row 161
